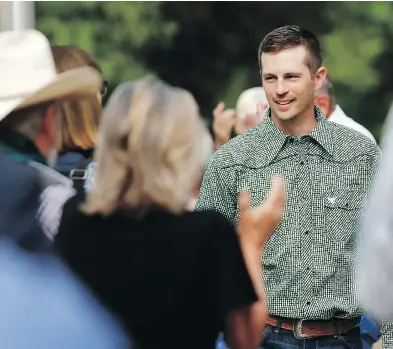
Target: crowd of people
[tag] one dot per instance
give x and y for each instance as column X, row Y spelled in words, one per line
column 131, row 226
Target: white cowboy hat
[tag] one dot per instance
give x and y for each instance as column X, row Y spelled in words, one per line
column 28, row 74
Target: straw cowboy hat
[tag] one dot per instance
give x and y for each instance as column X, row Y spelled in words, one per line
column 28, row 74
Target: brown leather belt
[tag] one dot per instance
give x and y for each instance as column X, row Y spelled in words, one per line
column 304, row 329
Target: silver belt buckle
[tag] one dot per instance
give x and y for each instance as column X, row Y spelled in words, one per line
column 297, row 330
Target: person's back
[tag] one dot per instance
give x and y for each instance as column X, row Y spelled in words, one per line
column 19, row 202
column 71, row 160
column 157, row 271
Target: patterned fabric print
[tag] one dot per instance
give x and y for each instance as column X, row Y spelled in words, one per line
column 309, row 261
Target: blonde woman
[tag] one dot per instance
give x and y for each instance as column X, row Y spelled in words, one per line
column 175, row 278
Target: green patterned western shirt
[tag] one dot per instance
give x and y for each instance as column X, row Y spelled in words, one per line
column 308, row 264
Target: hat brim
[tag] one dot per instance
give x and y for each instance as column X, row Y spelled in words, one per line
column 72, row 84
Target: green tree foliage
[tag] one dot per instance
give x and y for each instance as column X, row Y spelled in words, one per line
column 210, row 48
column 219, row 40
column 114, row 32
column 196, row 45
column 357, row 56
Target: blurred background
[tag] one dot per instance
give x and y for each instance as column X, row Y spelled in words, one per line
column 210, row 48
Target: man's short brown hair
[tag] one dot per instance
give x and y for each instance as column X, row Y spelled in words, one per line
column 290, row 36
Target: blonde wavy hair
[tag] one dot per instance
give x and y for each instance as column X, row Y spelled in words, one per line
column 152, row 149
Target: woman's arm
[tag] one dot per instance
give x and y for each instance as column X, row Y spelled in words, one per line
column 244, row 326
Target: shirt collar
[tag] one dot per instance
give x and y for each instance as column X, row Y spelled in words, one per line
column 274, row 139
column 337, row 115
column 322, row 132
column 19, row 147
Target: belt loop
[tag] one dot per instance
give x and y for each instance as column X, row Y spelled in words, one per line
column 278, row 327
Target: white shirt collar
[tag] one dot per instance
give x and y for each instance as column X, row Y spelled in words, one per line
column 337, row 115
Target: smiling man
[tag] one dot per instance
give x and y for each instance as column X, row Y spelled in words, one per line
column 309, row 261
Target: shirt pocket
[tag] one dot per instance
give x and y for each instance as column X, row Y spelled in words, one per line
column 343, row 212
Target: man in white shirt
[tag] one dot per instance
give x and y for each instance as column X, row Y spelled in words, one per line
column 325, row 100
column 228, row 123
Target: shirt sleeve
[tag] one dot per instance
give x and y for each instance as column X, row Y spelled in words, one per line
column 232, row 285
column 215, row 193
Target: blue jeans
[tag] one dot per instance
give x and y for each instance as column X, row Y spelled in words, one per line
column 284, row 339
column 369, row 331
column 220, row 343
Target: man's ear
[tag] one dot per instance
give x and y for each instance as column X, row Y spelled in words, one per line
column 319, row 77
column 323, row 102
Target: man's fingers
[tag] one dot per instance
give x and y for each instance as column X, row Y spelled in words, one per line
column 230, row 114
column 220, row 108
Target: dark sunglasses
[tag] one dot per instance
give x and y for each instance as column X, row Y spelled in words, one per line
column 104, row 88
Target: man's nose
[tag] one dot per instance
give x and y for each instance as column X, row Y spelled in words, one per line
column 282, row 88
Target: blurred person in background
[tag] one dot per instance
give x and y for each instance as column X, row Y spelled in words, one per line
column 308, row 262
column 45, row 307
column 207, row 139
column 228, row 123
column 324, row 98
column 78, row 119
column 78, row 123
column 166, row 272
column 29, row 91
column 375, row 258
